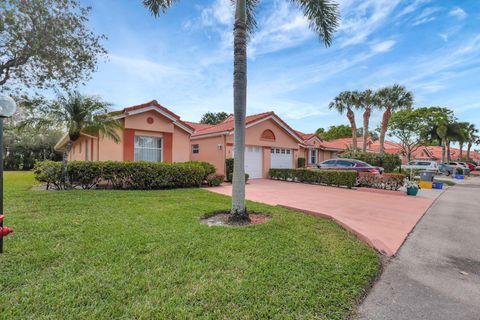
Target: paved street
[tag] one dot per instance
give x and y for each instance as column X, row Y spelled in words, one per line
column 436, row 274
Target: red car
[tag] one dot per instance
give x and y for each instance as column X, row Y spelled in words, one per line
column 471, row 166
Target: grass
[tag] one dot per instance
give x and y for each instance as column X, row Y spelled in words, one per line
column 144, row 255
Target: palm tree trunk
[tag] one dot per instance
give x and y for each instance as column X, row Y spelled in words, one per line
column 461, row 150
column 469, row 147
column 239, row 210
column 385, row 120
column 366, row 120
column 449, row 155
column 444, row 143
column 353, row 125
column 66, row 178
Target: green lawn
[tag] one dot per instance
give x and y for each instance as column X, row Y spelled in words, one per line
column 144, row 255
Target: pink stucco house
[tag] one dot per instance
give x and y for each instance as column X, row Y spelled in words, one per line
column 154, row 133
column 151, row 133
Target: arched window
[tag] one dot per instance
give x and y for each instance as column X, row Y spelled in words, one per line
column 268, row 135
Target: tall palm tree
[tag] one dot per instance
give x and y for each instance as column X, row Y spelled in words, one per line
column 462, row 136
column 473, row 138
column 391, row 99
column 82, row 114
column 365, row 100
column 323, row 16
column 344, row 102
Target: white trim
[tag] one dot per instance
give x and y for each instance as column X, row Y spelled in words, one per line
column 209, row 135
column 157, row 109
column 275, row 118
column 63, row 140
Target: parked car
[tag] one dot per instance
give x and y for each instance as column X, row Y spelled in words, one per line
column 455, row 164
column 468, row 165
column 446, row 169
column 349, row 164
column 473, row 166
column 421, row 165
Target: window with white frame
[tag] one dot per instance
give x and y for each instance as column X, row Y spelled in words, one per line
column 195, row 149
column 313, row 156
column 148, row 149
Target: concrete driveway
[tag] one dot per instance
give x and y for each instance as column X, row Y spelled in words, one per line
column 381, row 218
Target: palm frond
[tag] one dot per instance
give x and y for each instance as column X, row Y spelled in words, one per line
column 323, row 16
column 156, row 7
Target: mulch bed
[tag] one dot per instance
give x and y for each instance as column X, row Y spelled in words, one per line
column 221, row 219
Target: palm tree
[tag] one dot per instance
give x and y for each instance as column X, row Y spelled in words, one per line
column 82, row 114
column 343, row 103
column 462, row 136
column 365, row 100
column 473, row 138
column 392, row 99
column 323, row 16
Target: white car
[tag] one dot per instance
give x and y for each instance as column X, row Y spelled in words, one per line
column 421, row 165
column 460, row 165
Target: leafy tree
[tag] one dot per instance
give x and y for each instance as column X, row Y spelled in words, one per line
column 213, row 117
column 365, row 100
column 473, row 138
column 46, row 43
column 392, row 99
column 76, row 114
column 407, row 126
column 319, row 132
column 323, row 17
column 336, row 132
column 344, row 103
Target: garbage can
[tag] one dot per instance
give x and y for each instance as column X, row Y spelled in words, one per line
column 427, row 175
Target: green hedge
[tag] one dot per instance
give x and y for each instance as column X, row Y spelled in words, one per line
column 387, row 161
column 122, row 175
column 301, row 162
column 328, row 177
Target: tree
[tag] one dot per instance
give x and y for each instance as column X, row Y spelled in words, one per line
column 46, row 43
column 407, row 126
column 344, row 103
column 213, row 117
column 336, row 132
column 473, row 138
column 323, row 16
column 77, row 114
column 462, row 135
column 365, row 100
column 392, row 99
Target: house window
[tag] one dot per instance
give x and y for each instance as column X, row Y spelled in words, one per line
column 313, row 156
column 195, row 149
column 148, row 149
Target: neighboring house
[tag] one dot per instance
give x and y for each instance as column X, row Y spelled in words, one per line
column 346, row 143
column 270, row 143
column 314, row 150
column 151, row 133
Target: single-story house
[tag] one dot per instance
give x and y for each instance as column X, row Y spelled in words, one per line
column 151, row 133
column 270, row 143
column 314, row 150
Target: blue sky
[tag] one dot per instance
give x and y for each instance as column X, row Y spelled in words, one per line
column 184, row 59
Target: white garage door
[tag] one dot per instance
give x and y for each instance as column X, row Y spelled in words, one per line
column 253, row 161
column 281, row 158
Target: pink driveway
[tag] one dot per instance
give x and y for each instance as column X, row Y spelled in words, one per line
column 382, row 219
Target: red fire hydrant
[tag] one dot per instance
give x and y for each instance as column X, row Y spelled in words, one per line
column 4, row 231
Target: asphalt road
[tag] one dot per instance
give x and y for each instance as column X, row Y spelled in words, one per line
column 436, row 274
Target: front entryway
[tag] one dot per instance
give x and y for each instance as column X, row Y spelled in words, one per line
column 253, row 161
column 281, row 158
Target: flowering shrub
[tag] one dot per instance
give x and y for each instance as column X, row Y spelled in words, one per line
column 214, row 179
column 389, row 181
column 411, row 184
column 329, row 177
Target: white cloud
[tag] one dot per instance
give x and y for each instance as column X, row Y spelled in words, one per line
column 426, row 16
column 458, row 13
column 384, row 46
column 444, row 36
column 412, row 7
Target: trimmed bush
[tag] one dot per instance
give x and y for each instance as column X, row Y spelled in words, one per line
column 301, row 163
column 214, row 179
column 389, row 181
column 387, row 161
column 337, row 178
column 122, row 175
column 208, row 167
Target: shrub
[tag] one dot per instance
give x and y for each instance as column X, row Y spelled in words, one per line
column 214, row 179
column 387, row 161
column 328, row 177
column 390, row 181
column 122, row 175
column 229, row 170
column 208, row 167
column 301, row 163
